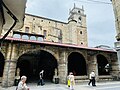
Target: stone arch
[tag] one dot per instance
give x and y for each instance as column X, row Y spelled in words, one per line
column 77, row 64
column 51, row 52
column 102, row 62
column 79, row 53
column 35, row 62
column 2, row 63
column 33, row 50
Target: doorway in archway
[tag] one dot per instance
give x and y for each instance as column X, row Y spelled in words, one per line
column 32, row 63
column 102, row 62
column 77, row 64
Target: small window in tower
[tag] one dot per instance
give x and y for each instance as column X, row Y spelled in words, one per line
column 80, row 32
column 33, row 18
column 117, row 19
column 41, row 20
column 78, row 11
column 80, row 18
column 81, row 43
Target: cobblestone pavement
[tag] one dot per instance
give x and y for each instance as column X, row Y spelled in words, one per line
column 49, row 86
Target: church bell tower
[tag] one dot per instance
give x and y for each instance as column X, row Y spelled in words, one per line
column 77, row 26
column 77, row 15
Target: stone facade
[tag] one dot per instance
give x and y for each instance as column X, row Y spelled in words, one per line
column 63, row 45
column 72, row 32
column 12, row 51
column 116, row 9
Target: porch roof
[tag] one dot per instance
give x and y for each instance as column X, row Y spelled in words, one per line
column 58, row 44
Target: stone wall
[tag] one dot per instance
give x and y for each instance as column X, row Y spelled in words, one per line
column 15, row 50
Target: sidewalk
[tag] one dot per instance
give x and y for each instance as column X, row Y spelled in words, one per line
column 51, row 86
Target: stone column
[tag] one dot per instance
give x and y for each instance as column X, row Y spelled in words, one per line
column 10, row 67
column 92, row 65
column 62, row 67
column 117, row 46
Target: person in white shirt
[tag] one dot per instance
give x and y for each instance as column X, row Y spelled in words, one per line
column 92, row 78
column 22, row 84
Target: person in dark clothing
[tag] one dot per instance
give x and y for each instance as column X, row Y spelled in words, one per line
column 41, row 81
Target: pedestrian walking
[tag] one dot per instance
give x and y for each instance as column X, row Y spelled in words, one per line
column 92, row 78
column 72, row 81
column 41, row 81
column 68, row 80
column 22, row 84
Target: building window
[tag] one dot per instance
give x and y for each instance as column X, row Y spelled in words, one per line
column 80, row 32
column 33, row 18
column 60, row 36
column 32, row 38
column 41, row 20
column 80, row 18
column 78, row 11
column 40, row 39
column 16, row 36
column 25, row 37
column 40, row 27
column 81, row 43
column 27, row 29
column 45, row 33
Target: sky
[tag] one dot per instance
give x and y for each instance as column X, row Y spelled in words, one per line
column 100, row 17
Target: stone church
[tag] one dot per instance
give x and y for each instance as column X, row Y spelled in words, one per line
column 57, row 48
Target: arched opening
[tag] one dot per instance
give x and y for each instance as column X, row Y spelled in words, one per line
column 32, row 63
column 25, row 68
column 2, row 63
column 102, row 62
column 77, row 64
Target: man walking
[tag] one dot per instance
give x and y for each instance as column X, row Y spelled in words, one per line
column 41, row 81
column 92, row 78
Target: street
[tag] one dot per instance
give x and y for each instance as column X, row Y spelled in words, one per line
column 105, row 86
column 113, row 85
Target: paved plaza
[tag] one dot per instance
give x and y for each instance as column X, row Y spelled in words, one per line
column 114, row 85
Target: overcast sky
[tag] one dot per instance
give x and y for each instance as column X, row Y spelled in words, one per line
column 100, row 17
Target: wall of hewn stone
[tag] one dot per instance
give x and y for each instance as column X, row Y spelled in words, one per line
column 15, row 50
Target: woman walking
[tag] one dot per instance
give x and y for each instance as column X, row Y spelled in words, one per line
column 72, row 81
